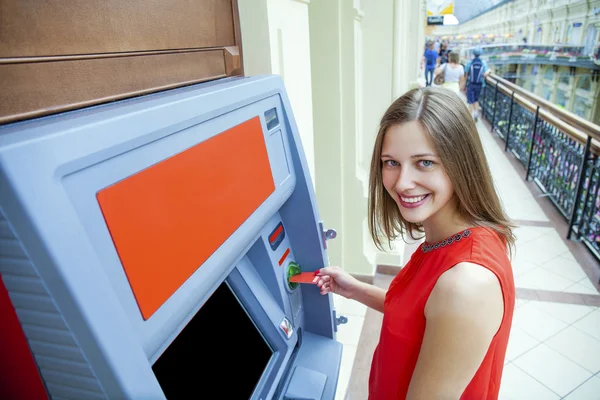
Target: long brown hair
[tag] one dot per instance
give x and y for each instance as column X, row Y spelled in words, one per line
column 446, row 120
column 453, row 57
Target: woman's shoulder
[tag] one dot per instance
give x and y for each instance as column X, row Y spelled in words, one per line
column 486, row 235
column 479, row 243
column 466, row 279
column 490, row 247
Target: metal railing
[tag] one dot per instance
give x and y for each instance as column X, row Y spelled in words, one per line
column 559, row 151
column 515, row 53
column 539, row 50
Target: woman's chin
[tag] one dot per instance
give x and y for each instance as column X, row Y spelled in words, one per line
column 412, row 217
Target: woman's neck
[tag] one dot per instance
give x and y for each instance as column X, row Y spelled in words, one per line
column 443, row 224
column 440, row 233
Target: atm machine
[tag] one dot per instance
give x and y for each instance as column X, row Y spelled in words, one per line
column 147, row 246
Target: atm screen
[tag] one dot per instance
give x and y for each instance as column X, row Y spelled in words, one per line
column 220, row 348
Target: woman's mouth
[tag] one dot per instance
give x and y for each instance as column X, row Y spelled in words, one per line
column 412, row 201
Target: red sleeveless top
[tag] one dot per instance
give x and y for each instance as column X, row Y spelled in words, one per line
column 404, row 314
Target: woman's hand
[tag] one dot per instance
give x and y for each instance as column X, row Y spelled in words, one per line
column 335, row 280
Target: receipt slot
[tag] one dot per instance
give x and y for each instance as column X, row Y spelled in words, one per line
column 147, row 247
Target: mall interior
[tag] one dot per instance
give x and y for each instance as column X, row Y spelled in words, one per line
column 115, row 120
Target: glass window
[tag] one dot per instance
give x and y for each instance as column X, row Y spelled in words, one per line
column 584, row 83
column 564, row 78
column 561, row 100
column 549, row 73
column 546, row 92
column 575, row 38
column 590, row 40
column 580, row 108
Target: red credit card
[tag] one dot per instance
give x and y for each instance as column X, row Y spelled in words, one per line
column 305, row 277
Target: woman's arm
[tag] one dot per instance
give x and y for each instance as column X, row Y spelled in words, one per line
column 335, row 280
column 463, row 313
column 371, row 296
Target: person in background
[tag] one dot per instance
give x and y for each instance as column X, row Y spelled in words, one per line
column 475, row 73
column 429, row 60
column 443, row 53
column 454, row 73
column 447, row 315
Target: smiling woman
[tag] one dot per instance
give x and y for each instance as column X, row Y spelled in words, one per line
column 448, row 313
column 417, row 182
column 423, row 127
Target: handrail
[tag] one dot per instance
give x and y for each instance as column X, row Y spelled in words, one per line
column 508, row 92
column 514, row 44
column 546, row 115
column 588, row 127
column 562, row 159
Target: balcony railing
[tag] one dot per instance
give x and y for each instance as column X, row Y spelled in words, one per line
column 558, row 150
column 577, row 56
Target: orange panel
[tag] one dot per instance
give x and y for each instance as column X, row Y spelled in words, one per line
column 168, row 219
column 275, row 234
column 284, row 256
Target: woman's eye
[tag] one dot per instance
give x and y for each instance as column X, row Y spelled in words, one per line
column 391, row 163
column 426, row 163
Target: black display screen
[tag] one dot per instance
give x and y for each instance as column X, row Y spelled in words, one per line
column 219, row 351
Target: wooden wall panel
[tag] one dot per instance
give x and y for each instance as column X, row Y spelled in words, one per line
column 59, row 55
column 27, row 90
column 32, row 28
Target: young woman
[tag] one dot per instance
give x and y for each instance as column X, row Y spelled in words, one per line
column 448, row 313
column 454, row 73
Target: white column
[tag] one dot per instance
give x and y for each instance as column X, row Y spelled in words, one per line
column 356, row 256
column 400, row 67
column 256, row 44
column 275, row 40
column 290, row 57
column 408, row 44
column 325, row 51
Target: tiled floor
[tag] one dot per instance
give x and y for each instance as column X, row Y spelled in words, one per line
column 554, row 348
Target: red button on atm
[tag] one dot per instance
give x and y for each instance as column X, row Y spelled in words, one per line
column 277, row 236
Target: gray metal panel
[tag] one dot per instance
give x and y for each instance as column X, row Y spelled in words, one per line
column 300, row 211
column 69, row 158
column 321, row 355
column 156, row 333
column 266, row 314
column 47, row 332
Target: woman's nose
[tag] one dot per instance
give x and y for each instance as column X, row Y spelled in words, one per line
column 405, row 180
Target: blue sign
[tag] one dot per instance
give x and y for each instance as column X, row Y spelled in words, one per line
column 576, row 24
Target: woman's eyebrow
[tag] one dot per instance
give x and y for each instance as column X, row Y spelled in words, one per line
column 424, row 155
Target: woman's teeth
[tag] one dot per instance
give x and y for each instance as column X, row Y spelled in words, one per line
column 412, row 199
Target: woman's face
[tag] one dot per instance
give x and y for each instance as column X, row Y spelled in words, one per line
column 413, row 174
